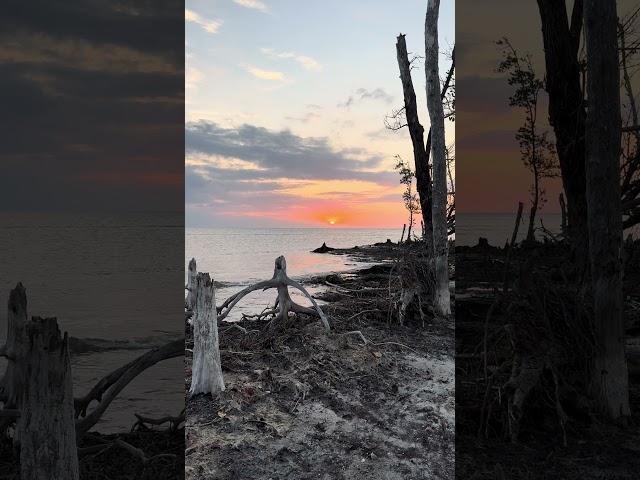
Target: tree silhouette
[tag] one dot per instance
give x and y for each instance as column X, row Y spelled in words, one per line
column 536, row 149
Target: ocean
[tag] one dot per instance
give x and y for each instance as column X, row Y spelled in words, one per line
column 236, row 257
column 113, row 284
column 498, row 227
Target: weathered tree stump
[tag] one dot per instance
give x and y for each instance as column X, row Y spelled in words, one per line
column 11, row 384
column 284, row 304
column 206, row 370
column 37, row 392
column 47, row 429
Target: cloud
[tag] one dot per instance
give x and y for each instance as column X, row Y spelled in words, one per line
column 304, row 118
column 362, row 94
column 40, row 49
column 249, row 171
column 96, row 102
column 253, row 4
column 265, row 74
column 192, row 77
column 278, row 154
column 305, row 61
column 210, row 26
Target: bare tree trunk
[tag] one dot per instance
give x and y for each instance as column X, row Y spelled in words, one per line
column 566, row 110
column 416, row 131
column 514, row 235
column 563, row 210
column 47, row 427
column 610, row 378
column 514, row 238
column 534, row 208
column 206, row 370
column 442, row 301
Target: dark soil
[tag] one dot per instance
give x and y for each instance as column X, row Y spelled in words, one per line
column 164, row 451
column 303, row 404
column 594, row 449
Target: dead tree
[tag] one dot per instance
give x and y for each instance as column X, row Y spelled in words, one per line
column 416, row 132
column 566, row 110
column 206, row 370
column 609, row 376
column 284, row 304
column 442, row 302
column 421, row 151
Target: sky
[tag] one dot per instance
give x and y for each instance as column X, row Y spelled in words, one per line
column 285, row 108
column 92, row 97
column 490, row 176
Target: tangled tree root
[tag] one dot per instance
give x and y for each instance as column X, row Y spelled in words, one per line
column 283, row 304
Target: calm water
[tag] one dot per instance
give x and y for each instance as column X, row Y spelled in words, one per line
column 111, row 281
column 498, row 227
column 238, row 257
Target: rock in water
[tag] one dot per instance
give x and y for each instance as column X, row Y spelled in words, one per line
column 323, row 249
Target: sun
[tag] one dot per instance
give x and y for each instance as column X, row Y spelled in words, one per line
column 332, row 222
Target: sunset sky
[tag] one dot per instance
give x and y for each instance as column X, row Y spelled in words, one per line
column 285, row 107
column 92, row 94
column 490, row 176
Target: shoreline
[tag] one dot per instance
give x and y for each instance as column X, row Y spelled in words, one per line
column 301, row 400
column 592, row 450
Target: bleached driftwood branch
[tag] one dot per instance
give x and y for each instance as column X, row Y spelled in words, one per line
column 110, row 386
column 284, row 304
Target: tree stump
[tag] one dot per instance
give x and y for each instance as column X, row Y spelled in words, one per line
column 47, row 427
column 11, row 384
column 206, row 370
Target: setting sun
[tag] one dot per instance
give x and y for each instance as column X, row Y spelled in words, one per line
column 332, row 222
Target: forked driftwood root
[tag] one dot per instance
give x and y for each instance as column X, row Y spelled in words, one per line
column 107, row 389
column 284, row 304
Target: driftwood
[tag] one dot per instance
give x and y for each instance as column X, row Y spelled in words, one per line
column 323, row 249
column 174, row 422
column 37, row 392
column 110, row 386
column 284, row 304
column 206, row 371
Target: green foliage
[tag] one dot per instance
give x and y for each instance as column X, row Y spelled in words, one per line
column 411, row 201
column 537, row 151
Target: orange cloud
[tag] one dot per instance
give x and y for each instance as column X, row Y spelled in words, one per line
column 380, row 214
